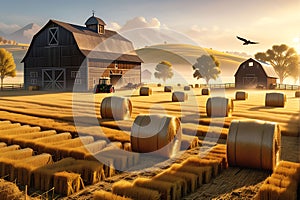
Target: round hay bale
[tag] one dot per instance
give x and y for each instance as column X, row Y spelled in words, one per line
column 179, row 96
column 241, row 95
column 158, row 85
column 219, row 107
column 168, row 89
column 297, row 94
column 145, row 91
column 192, row 86
column 275, row 99
column 197, row 86
column 160, row 134
column 187, row 88
column 178, row 84
column 205, row 91
column 253, row 144
column 118, row 108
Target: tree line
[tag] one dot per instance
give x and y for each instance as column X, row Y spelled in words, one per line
column 284, row 59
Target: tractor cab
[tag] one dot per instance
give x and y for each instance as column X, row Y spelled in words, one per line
column 104, row 86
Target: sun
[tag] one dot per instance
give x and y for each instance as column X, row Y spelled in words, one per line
column 296, row 45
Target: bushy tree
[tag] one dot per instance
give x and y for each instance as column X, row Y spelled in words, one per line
column 7, row 65
column 207, row 67
column 164, row 70
column 284, row 59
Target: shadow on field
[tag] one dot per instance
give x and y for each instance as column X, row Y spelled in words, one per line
column 258, row 108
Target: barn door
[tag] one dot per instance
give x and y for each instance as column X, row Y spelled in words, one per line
column 250, row 81
column 54, row 79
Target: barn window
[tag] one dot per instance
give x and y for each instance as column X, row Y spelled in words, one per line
column 75, row 74
column 101, row 29
column 33, row 81
column 33, row 74
column 250, row 64
column 77, row 81
column 53, row 36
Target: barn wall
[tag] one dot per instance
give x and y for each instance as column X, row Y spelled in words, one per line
column 131, row 72
column 43, row 56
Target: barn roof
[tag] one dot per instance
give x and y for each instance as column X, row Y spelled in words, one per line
column 268, row 69
column 94, row 20
column 107, row 46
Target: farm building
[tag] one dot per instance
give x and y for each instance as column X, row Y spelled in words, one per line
column 146, row 75
column 253, row 73
column 62, row 55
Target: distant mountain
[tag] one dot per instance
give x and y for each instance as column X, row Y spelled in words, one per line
column 2, row 34
column 25, row 34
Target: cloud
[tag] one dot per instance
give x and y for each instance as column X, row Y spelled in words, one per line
column 9, row 28
column 136, row 23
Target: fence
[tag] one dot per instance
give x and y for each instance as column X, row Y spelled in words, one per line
column 232, row 85
column 287, row 87
column 12, row 86
column 224, row 85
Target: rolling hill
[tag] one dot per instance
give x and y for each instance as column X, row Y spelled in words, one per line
column 183, row 57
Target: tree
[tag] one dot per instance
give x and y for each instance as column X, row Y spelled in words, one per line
column 207, row 67
column 164, row 70
column 7, row 65
column 283, row 58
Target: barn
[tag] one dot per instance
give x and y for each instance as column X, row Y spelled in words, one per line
column 63, row 55
column 253, row 73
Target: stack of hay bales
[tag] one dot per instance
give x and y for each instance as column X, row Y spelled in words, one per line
column 164, row 140
column 253, row 144
column 90, row 172
column 17, row 131
column 297, row 94
column 275, row 99
column 8, row 159
column 117, row 108
column 62, row 149
column 104, row 195
column 145, row 91
column 176, row 181
column 219, row 107
column 115, row 159
column 189, row 142
column 196, row 85
column 38, row 143
column 22, row 171
column 168, row 89
column 205, row 91
column 84, row 151
column 179, row 97
column 127, row 189
column 282, row 184
column 241, row 95
column 167, row 190
column 24, row 138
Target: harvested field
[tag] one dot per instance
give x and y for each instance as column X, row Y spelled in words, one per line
column 34, row 108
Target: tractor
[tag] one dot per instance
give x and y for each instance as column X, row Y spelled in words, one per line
column 104, row 86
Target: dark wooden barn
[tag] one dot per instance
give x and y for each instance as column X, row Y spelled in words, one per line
column 253, row 73
column 63, row 55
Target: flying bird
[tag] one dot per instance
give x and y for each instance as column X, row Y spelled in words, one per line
column 246, row 42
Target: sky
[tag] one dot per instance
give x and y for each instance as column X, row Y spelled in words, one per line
column 208, row 23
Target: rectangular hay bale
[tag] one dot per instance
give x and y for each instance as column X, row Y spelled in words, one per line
column 104, row 195
column 127, row 189
column 167, row 190
column 66, row 183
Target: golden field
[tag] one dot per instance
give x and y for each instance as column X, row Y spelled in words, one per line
column 57, row 111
